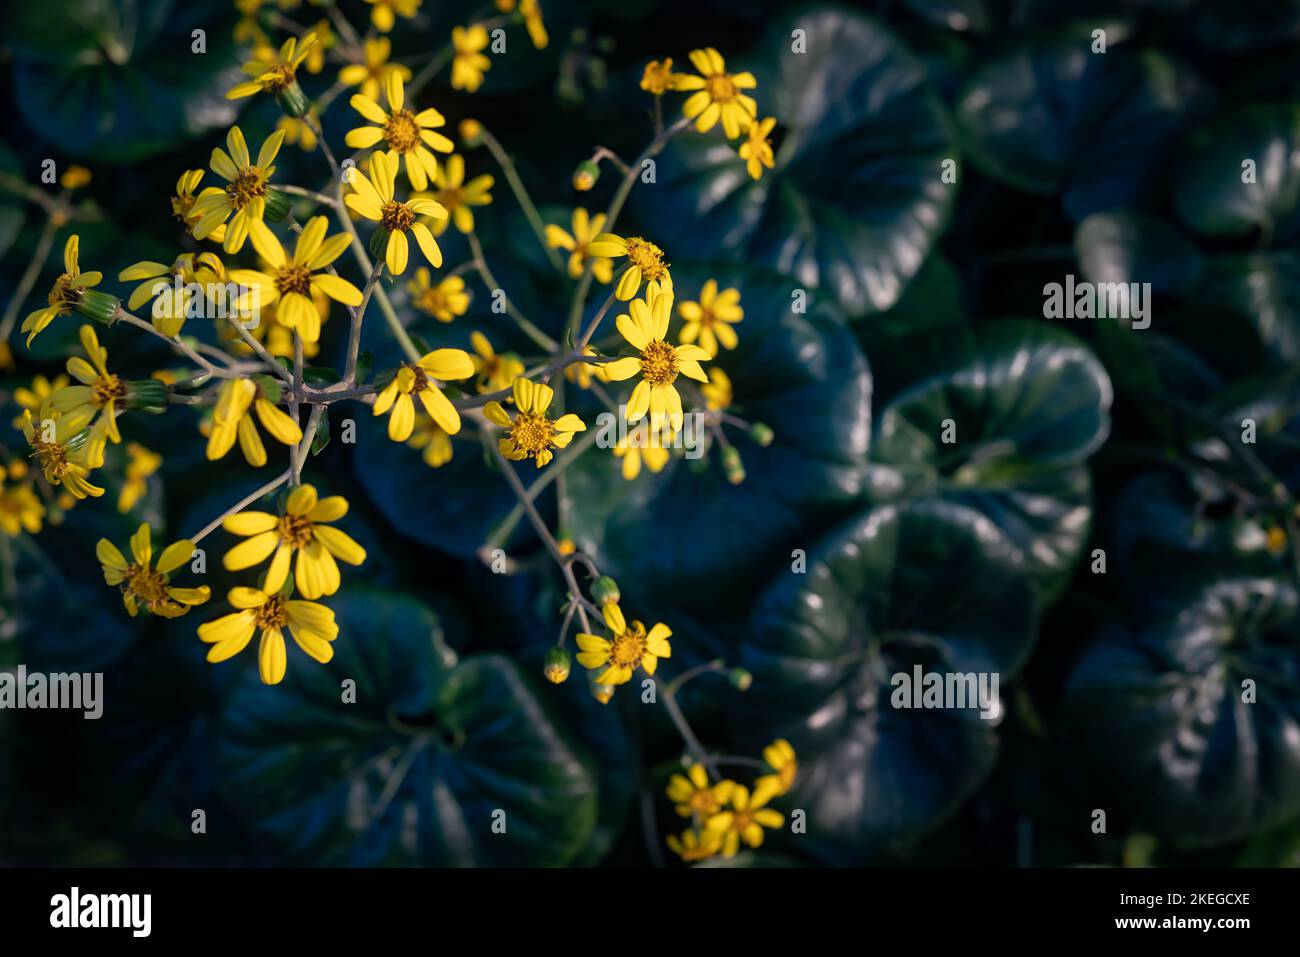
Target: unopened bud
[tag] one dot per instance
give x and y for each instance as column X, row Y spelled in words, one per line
column 585, row 176
column 557, row 666
column 99, row 306
column 602, row 693
column 732, row 466
column 761, row 433
column 268, row 387
column 293, row 100
column 740, row 679
column 146, row 395
column 605, row 590
column 471, row 133
column 278, row 205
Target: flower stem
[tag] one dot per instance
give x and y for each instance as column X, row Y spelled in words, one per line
column 529, row 329
column 266, row 489
column 521, row 196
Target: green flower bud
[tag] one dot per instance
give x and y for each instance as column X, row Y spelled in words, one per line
column 602, row 693
column 293, row 100
column 99, row 306
column 740, row 679
column 731, row 464
column 146, row 395
column 269, row 388
column 605, row 590
column 585, row 176
column 278, row 205
column 761, row 433
column 557, row 666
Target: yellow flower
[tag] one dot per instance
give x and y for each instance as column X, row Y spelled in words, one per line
column 585, row 229
column 298, row 131
column 444, row 302
column 645, row 261
column 32, row 399
column 659, row 77
column 746, row 820
column 75, row 177
column 149, row 587
column 245, row 193
column 384, row 13
column 303, row 528
column 97, row 397
column 780, row 757
column 311, row 624
column 1275, row 540
column 532, row 14
column 757, row 149
column 141, row 463
column 406, row 134
column 325, row 40
column 374, row 73
column 718, row 94
column 471, row 132
column 628, row 648
column 272, row 71
column 457, row 196
column 583, row 373
column 495, row 372
column 193, row 271
column 435, row 441
column 66, row 293
column 717, row 393
column 417, row 379
column 372, row 197
column 64, row 453
column 183, row 204
column 532, row 433
column 693, row 795
column 642, row 444
column 20, row 508
column 293, row 279
column 232, row 417
column 645, row 327
column 469, row 64
column 248, row 29
column 707, row 321
column 695, row 845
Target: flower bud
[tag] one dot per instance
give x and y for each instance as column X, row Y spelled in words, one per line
column 379, row 243
column 471, row 133
column 99, row 306
column 146, row 395
column 761, row 433
column 557, row 666
column 278, row 205
column 732, row 465
column 585, row 176
column 602, row 693
column 268, row 387
column 740, row 679
column 605, row 590
column 293, row 100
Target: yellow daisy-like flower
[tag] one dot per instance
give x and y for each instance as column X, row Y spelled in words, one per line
column 243, row 201
column 98, row 396
column 145, row 586
column 780, row 757
column 642, row 445
column 582, row 373
column 384, row 13
column 645, row 327
column 141, row 463
column 32, row 398
column 718, row 94
column 66, row 293
column 495, row 370
column 372, row 197
column 64, row 453
column 531, row 11
column 629, row 647
column 292, row 280
column 171, row 310
column 273, row 71
column 469, row 63
column 693, row 795
column 298, row 131
column 20, row 507
column 717, row 392
column 645, row 261
column 746, row 820
column 406, row 134
column 373, row 74
column 311, row 624
column 532, row 433
column 444, row 302
column 303, row 528
column 433, row 439
column 695, row 845
column 457, row 196
column 585, row 229
column 183, row 204
column 659, row 77
column 232, row 418
column 417, row 380
column 756, row 151
column 708, row 321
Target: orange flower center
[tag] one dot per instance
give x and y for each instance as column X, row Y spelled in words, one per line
column 146, row 584
column 648, row 257
column 532, row 433
column 272, row 614
column 293, row 278
column 281, row 77
column 396, row 217
column 720, row 88
column 64, row 295
column 245, row 187
column 401, row 131
column 627, row 649
column 107, row 390
column 659, row 363
column 295, row 531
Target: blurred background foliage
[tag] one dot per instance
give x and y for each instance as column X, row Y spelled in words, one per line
column 1121, row 691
